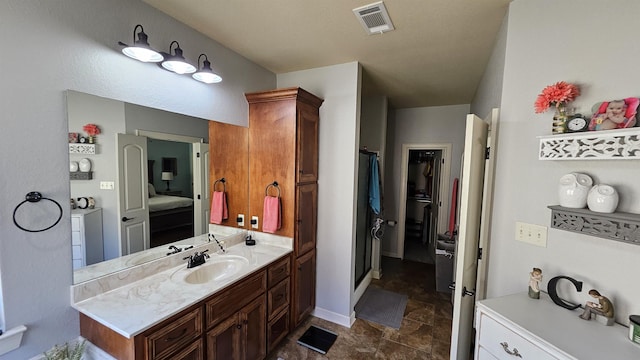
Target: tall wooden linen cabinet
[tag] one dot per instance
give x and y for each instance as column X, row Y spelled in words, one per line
column 280, row 145
column 283, row 148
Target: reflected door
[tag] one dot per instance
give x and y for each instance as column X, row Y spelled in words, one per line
column 201, row 197
column 133, row 210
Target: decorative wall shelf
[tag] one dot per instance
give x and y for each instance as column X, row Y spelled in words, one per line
column 85, row 149
column 592, row 145
column 618, row 226
column 81, row 175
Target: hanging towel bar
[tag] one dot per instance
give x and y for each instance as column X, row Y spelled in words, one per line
column 224, row 184
column 275, row 185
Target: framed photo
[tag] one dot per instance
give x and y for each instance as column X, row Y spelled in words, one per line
column 614, row 114
column 73, row 137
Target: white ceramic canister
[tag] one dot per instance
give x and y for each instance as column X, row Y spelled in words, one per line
column 85, row 165
column 603, row 199
column 574, row 189
column 73, row 166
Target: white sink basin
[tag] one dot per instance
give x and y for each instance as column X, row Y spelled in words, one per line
column 219, row 269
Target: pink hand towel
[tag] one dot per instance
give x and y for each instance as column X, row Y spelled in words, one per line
column 271, row 214
column 219, row 210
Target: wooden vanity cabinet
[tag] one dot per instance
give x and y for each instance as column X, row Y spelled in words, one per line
column 237, row 319
column 179, row 337
column 241, row 336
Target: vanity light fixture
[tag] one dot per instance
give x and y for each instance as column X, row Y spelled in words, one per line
column 205, row 74
column 140, row 50
column 176, row 62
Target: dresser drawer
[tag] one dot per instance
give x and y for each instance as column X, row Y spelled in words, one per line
column 493, row 334
column 163, row 342
column 278, row 271
column 277, row 298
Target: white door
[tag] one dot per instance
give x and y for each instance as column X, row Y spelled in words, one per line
column 201, row 197
column 133, row 210
column 487, row 204
column 473, row 169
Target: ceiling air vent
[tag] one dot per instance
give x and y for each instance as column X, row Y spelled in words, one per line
column 374, row 18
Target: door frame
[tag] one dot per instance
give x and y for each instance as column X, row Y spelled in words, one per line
column 445, row 175
column 182, row 139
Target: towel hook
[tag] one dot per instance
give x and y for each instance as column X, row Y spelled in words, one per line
column 275, row 185
column 224, row 184
column 34, row 197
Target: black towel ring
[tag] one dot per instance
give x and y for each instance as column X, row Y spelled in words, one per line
column 33, row 197
column 224, row 184
column 275, row 185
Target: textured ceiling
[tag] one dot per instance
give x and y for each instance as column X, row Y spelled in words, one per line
column 436, row 55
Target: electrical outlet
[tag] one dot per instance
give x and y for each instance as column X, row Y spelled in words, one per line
column 254, row 222
column 107, row 185
column 240, row 220
column 532, row 234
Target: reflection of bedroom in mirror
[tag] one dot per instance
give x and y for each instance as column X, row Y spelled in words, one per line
column 167, row 141
column 171, row 204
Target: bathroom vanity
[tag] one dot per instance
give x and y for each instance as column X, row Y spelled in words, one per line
column 235, row 306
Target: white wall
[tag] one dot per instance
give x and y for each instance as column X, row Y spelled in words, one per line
column 427, row 125
column 598, row 51
column 339, row 86
column 71, row 44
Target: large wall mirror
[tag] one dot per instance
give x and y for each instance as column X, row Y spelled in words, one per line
column 129, row 207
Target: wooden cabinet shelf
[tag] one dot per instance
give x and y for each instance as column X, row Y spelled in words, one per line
column 618, row 226
column 623, row 144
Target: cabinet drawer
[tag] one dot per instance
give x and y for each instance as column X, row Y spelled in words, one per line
column 177, row 333
column 76, row 238
column 278, row 298
column 493, row 335
column 194, row 351
column 229, row 301
column 483, row 354
column 277, row 329
column 278, row 271
column 76, row 251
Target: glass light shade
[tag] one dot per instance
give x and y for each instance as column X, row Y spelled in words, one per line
column 178, row 66
column 142, row 54
column 207, row 77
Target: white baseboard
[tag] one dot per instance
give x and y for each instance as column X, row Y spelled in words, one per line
column 335, row 318
column 377, row 274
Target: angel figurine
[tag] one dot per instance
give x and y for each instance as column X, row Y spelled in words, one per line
column 535, row 276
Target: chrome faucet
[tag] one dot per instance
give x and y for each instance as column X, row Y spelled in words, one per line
column 197, row 259
column 211, row 236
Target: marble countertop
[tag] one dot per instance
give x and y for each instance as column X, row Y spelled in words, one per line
column 137, row 306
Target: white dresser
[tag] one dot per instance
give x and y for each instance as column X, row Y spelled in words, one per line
column 86, row 237
column 540, row 330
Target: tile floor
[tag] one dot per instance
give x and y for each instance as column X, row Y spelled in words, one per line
column 425, row 332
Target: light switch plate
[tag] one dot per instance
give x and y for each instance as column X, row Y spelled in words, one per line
column 254, row 222
column 107, row 185
column 531, row 234
column 240, row 220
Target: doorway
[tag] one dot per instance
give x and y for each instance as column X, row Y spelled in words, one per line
column 422, row 207
column 186, row 158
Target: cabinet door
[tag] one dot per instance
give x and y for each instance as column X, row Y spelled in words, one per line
column 306, row 218
column 223, row 341
column 307, row 144
column 254, row 327
column 304, row 289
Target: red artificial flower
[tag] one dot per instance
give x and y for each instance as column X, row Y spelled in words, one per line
column 557, row 94
column 91, row 129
